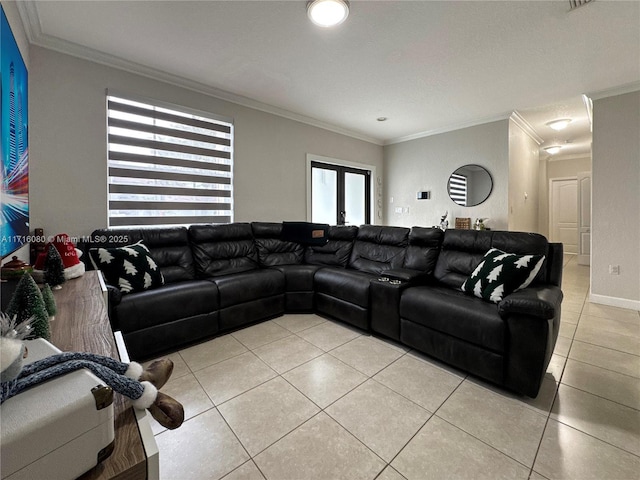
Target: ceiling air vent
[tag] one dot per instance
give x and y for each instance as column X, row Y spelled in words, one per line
column 573, row 4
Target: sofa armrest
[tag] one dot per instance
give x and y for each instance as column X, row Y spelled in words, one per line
column 414, row 277
column 541, row 301
column 115, row 295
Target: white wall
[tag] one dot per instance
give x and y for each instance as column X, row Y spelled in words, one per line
column 13, row 17
column 426, row 164
column 523, row 180
column 568, row 167
column 616, row 200
column 68, row 146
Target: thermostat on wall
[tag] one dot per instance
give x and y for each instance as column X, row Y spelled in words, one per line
column 424, row 195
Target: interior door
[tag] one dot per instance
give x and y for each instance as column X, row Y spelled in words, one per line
column 563, row 213
column 340, row 195
column 584, row 218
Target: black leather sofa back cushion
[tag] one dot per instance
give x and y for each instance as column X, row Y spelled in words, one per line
column 169, row 248
column 423, row 249
column 378, row 248
column 272, row 250
column 223, row 249
column 336, row 252
column 524, row 244
column 463, row 250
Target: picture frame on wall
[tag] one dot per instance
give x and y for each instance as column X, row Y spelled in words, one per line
column 14, row 143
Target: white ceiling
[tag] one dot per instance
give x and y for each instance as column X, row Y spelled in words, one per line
column 427, row 66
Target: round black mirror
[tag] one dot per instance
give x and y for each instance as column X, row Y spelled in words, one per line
column 470, row 185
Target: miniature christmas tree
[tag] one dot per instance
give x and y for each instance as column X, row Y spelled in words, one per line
column 27, row 303
column 54, row 268
column 49, row 301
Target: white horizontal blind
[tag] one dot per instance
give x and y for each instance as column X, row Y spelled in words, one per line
column 458, row 188
column 167, row 167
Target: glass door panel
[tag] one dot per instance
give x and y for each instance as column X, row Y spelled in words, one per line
column 355, row 198
column 324, row 195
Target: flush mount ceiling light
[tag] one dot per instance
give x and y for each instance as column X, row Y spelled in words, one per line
column 328, row 13
column 559, row 124
column 552, row 150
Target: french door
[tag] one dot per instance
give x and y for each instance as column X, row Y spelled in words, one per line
column 340, row 195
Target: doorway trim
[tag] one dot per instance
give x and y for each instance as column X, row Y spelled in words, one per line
column 345, row 163
column 584, row 258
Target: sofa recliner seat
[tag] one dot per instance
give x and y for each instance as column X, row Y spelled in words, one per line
column 461, row 316
column 343, row 293
column 147, row 324
column 189, row 311
column 287, row 258
column 476, row 335
column 226, row 255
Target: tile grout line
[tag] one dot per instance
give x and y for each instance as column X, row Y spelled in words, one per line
column 423, row 425
column 226, row 475
column 487, row 444
column 606, row 348
column 555, row 394
column 546, row 424
column 600, row 440
column 600, row 396
column 602, row 368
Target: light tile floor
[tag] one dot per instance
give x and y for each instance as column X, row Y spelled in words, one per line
column 300, row 397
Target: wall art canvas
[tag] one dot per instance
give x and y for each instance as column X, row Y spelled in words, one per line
column 14, row 144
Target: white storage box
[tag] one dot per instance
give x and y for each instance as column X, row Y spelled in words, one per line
column 59, row 429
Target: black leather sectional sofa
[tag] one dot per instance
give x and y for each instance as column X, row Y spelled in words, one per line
column 396, row 282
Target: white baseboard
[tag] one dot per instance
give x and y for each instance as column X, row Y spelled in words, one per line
column 615, row 301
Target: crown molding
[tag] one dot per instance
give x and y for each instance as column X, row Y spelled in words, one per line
column 526, row 127
column 31, row 21
column 612, row 92
column 449, row 128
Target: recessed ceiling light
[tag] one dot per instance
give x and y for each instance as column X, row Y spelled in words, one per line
column 552, row 150
column 328, row 13
column 382, row 119
column 559, row 124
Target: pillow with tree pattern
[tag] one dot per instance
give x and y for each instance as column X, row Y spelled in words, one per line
column 500, row 273
column 130, row 268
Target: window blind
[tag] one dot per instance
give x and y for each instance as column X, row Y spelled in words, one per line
column 166, row 166
column 458, row 188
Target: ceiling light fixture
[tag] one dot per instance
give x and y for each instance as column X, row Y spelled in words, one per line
column 328, row 13
column 560, row 124
column 552, row 150
column 382, row 119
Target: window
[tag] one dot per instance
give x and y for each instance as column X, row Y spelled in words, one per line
column 458, row 188
column 167, row 167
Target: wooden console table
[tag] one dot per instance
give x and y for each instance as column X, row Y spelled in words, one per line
column 82, row 325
